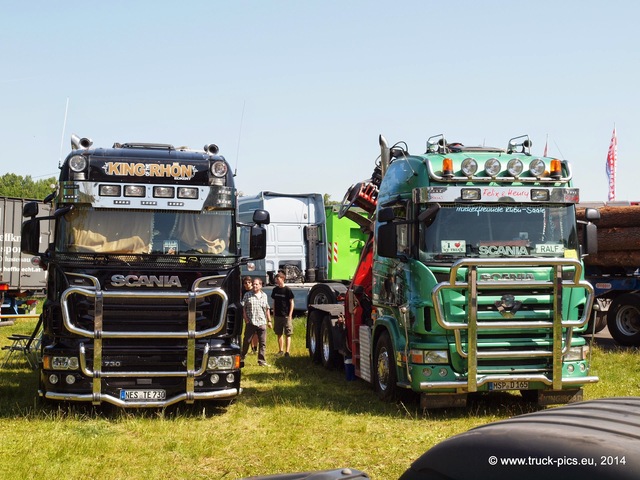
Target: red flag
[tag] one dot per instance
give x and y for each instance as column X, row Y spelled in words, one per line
column 612, row 158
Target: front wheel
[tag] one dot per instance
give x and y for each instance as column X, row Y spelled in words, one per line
column 623, row 320
column 385, row 377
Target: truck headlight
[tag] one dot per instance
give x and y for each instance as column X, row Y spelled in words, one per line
column 537, row 167
column 77, row 163
column 187, row 192
column 219, row 169
column 469, row 166
column 577, row 353
column 429, row 356
column 492, row 167
column 60, row 363
column 515, row 167
column 223, row 362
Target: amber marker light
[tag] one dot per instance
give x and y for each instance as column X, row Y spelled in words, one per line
column 556, row 168
column 447, row 167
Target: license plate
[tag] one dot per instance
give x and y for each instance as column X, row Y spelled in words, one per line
column 513, row 385
column 133, row 395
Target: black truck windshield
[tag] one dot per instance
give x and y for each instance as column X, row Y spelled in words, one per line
column 165, row 232
column 491, row 230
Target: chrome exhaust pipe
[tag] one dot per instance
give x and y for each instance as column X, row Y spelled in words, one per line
column 385, row 155
column 78, row 143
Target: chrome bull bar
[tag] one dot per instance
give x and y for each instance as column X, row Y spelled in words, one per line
column 98, row 334
column 472, row 326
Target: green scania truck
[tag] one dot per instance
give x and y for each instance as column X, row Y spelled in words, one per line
column 471, row 279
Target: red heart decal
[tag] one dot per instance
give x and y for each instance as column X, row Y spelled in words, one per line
column 457, row 244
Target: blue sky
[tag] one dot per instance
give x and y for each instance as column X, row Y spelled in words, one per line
column 295, row 93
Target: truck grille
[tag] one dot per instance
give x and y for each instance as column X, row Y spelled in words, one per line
column 521, row 323
column 144, row 314
column 168, row 331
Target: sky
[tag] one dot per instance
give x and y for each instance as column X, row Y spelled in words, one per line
column 296, row 93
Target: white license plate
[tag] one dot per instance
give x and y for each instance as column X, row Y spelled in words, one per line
column 513, row 385
column 133, row 395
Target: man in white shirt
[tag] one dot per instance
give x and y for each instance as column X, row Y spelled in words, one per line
column 257, row 319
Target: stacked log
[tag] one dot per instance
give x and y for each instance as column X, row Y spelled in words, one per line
column 618, row 237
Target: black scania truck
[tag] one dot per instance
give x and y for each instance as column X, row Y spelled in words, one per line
column 143, row 279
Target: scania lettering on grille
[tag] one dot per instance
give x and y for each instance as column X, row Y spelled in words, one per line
column 145, row 281
column 513, row 250
column 506, row 277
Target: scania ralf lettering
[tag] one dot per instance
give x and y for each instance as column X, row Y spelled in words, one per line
column 143, row 285
column 472, row 279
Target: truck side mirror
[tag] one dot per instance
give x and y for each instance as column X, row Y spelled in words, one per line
column 30, row 209
column 387, row 240
column 261, row 217
column 591, row 238
column 258, row 242
column 592, row 214
column 386, row 214
column 30, row 236
column 387, row 236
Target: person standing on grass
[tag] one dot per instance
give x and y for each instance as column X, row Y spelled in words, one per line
column 283, row 313
column 247, row 285
column 257, row 319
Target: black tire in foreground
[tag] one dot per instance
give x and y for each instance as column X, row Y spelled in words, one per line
column 594, row 439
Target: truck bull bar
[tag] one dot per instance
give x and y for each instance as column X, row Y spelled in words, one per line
column 557, row 324
column 98, row 334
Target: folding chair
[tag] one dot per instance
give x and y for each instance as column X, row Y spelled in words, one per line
column 18, row 344
column 29, row 345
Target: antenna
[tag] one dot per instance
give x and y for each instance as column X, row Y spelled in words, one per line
column 561, row 154
column 64, row 126
column 235, row 171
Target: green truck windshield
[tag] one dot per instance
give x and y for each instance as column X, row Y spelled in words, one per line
column 112, row 231
column 492, row 230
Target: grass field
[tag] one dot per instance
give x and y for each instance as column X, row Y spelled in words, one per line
column 292, row 416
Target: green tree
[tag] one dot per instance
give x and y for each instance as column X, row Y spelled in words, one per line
column 328, row 201
column 12, row 185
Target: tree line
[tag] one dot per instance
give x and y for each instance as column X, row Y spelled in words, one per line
column 17, row 186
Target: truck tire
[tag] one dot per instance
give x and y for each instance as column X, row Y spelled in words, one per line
column 328, row 352
column 313, row 335
column 321, row 295
column 623, row 320
column 385, row 377
column 601, row 432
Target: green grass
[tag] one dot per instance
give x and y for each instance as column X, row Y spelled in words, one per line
column 292, row 416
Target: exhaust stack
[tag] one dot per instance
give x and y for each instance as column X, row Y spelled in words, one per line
column 78, row 143
column 385, row 155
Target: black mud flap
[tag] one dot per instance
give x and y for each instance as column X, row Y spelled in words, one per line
column 559, row 397
column 594, row 439
column 443, row 400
